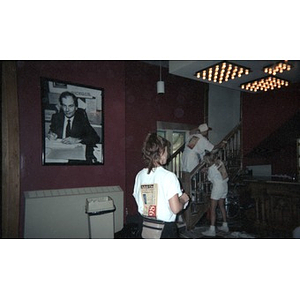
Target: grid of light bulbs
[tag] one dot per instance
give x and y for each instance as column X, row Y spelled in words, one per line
column 279, row 67
column 223, row 71
column 264, row 84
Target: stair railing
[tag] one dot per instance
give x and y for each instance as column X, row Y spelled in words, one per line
column 231, row 154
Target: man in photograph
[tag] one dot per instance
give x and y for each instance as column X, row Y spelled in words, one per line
column 71, row 123
column 71, row 136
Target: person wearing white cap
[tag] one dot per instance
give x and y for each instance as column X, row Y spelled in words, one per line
column 197, row 144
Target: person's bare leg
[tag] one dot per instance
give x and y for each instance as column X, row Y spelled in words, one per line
column 224, row 226
column 222, row 208
column 213, row 205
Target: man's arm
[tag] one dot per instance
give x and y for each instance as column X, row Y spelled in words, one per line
column 222, row 144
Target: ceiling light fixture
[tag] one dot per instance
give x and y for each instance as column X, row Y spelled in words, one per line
column 222, row 71
column 279, row 67
column 264, row 84
column 160, row 85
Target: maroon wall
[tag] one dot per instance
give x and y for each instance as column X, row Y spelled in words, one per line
column 262, row 114
column 105, row 74
column 183, row 102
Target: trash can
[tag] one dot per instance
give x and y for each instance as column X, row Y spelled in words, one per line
column 100, row 212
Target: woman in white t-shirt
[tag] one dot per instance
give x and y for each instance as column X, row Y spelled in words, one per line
column 157, row 191
column 218, row 176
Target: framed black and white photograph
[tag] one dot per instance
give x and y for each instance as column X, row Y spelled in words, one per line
column 72, row 117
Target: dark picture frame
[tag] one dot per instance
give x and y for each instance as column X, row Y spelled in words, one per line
column 86, row 141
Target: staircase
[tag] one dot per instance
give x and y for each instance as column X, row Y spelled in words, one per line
column 196, row 183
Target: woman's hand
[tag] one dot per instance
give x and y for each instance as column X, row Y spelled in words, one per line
column 184, row 198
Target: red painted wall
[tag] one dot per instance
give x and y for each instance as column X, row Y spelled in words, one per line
column 106, row 74
column 262, row 114
column 183, row 102
column 131, row 109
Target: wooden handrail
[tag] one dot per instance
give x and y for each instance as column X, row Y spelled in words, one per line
column 180, row 149
column 232, row 132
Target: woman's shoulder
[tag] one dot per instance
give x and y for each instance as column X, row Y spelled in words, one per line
column 166, row 173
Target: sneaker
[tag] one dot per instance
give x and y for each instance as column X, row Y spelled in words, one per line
column 224, row 227
column 210, row 232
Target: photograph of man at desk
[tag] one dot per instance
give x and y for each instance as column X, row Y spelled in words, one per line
column 71, row 135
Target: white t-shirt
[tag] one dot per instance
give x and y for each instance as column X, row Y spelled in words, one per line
column 192, row 157
column 153, row 191
column 219, row 185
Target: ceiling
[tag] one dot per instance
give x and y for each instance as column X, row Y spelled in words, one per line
column 187, row 69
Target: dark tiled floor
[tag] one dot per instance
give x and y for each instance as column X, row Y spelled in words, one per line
column 241, row 227
column 235, row 231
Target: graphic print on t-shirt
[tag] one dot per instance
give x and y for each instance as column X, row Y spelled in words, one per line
column 193, row 141
column 149, row 196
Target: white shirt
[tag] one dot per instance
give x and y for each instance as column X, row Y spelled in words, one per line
column 192, row 157
column 166, row 185
column 220, row 186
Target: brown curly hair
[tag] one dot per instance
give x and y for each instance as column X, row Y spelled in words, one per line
column 153, row 147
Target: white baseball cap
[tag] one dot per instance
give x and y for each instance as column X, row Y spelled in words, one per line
column 204, row 127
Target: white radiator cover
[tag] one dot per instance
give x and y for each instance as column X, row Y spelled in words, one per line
column 61, row 213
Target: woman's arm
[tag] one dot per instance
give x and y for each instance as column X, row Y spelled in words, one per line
column 177, row 203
